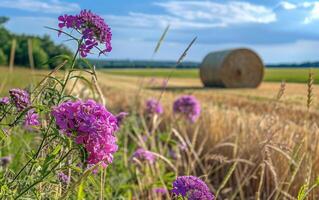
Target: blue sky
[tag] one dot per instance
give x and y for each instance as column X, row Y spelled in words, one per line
column 280, row 31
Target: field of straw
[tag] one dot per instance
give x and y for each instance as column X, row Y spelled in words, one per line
column 266, row 137
column 247, row 144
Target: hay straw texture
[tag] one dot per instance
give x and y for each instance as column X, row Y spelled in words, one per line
column 237, row 68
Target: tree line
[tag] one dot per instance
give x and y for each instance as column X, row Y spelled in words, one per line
column 43, row 48
column 140, row 64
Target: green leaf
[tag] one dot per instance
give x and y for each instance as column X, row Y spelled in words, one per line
column 81, row 191
column 226, row 178
column 302, row 192
column 56, row 150
column 3, row 135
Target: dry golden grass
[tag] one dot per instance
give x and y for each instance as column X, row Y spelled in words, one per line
column 247, row 144
column 270, row 144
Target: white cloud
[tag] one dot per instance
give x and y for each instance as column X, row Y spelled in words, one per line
column 306, row 4
column 312, row 7
column 51, row 6
column 142, row 20
column 197, row 14
column 314, row 13
column 234, row 12
column 287, row 5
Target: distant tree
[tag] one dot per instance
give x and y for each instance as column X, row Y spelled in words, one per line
column 53, row 50
column 40, row 58
column 43, row 48
column 39, row 55
column 3, row 58
column 3, row 20
column 5, row 39
column 21, row 56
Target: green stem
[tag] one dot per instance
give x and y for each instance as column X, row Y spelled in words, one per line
column 35, row 156
column 46, row 133
column 41, row 145
column 72, row 66
column 6, row 112
column 44, row 176
column 20, row 116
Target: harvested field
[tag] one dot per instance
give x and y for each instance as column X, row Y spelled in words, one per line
column 249, row 129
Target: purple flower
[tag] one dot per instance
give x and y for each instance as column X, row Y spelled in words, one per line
column 20, row 98
column 92, row 125
column 4, row 101
column 4, row 161
column 145, row 137
column 160, row 191
column 182, row 146
column 31, row 119
column 153, row 107
column 93, row 28
column 187, row 106
column 120, row 117
column 144, row 155
column 63, row 178
column 192, row 188
column 172, row 153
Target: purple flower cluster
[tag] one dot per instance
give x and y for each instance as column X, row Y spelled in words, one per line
column 4, row 101
column 63, row 178
column 93, row 29
column 31, row 119
column 191, row 187
column 92, row 125
column 20, row 98
column 188, row 106
column 144, row 155
column 5, row 161
column 153, row 107
column 160, row 191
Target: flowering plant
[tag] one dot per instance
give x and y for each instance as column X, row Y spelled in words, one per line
column 91, row 125
column 153, row 107
column 68, row 126
column 144, row 155
column 92, row 28
column 192, row 188
column 76, row 144
column 187, row 106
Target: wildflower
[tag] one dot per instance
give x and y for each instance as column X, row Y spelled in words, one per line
column 120, row 117
column 160, row 191
column 172, row 153
column 63, row 178
column 144, row 155
column 4, row 161
column 20, row 98
column 145, row 137
column 192, row 188
column 4, row 101
column 93, row 29
column 182, row 146
column 153, row 107
column 32, row 119
column 187, row 106
column 92, row 125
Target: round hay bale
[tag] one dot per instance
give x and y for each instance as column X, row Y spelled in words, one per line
column 237, row 68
